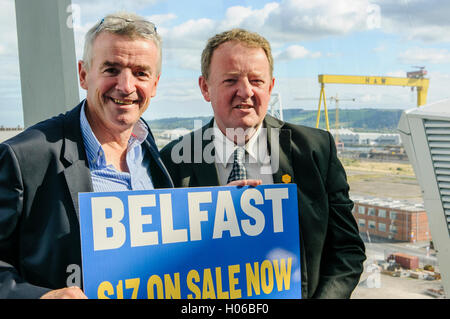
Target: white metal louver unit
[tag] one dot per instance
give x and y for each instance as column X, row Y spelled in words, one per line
column 425, row 133
column 438, row 135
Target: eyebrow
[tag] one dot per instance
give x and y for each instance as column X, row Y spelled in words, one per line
column 237, row 73
column 117, row 64
column 109, row 64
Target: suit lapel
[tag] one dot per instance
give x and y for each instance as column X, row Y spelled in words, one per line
column 285, row 158
column 205, row 173
column 279, row 143
column 161, row 177
column 76, row 171
column 79, row 181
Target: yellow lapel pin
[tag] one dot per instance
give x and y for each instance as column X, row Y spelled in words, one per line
column 286, row 178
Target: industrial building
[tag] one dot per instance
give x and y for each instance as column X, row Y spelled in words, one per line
column 391, row 219
column 348, row 137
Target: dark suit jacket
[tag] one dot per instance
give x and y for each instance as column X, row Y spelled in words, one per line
column 42, row 170
column 332, row 253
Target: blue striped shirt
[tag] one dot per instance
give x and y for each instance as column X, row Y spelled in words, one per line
column 105, row 178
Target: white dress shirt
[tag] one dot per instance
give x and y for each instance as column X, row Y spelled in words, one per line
column 257, row 160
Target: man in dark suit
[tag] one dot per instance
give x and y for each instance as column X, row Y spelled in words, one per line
column 237, row 79
column 100, row 145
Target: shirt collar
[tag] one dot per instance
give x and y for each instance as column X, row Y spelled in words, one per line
column 94, row 150
column 224, row 147
column 138, row 135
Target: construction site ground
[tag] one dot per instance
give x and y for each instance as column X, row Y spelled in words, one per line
column 385, row 286
column 396, row 181
column 382, row 179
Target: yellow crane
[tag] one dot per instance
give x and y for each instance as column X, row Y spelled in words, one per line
column 337, row 125
column 414, row 79
column 336, row 99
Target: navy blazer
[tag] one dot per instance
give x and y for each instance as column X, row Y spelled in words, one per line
column 42, row 170
column 332, row 252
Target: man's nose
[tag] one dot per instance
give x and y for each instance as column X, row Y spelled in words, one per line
column 245, row 89
column 125, row 82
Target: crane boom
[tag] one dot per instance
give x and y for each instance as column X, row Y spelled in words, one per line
column 421, row 84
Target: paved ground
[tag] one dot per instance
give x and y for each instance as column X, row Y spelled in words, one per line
column 395, row 288
column 374, row 285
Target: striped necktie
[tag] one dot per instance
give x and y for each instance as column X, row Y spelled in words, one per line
column 238, row 171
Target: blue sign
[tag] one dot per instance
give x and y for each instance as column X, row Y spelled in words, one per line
column 204, row 242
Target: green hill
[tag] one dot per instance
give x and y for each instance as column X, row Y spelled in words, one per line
column 380, row 120
column 360, row 119
column 177, row 122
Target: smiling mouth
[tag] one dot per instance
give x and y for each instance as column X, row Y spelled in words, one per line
column 240, row 107
column 123, row 102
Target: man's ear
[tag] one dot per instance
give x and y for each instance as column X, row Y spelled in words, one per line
column 272, row 84
column 202, row 82
column 82, row 74
column 155, row 86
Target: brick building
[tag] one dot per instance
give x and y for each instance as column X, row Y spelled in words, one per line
column 396, row 220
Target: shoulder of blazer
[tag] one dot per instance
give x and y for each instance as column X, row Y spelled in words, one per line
column 48, row 136
column 167, row 150
column 301, row 135
column 301, row 129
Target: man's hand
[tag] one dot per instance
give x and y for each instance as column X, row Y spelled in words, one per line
column 65, row 293
column 245, row 182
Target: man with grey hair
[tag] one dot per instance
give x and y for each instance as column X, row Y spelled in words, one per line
column 102, row 144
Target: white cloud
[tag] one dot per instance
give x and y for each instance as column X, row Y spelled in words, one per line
column 294, row 52
column 439, row 84
column 178, row 90
column 396, row 73
column 300, row 20
column 161, row 19
column 187, row 59
column 93, row 10
column 235, row 16
column 189, row 34
column 289, row 20
column 178, row 97
column 424, row 55
column 246, row 17
column 425, row 20
column 280, row 22
column 87, row 12
column 428, row 33
column 370, row 98
column 184, row 43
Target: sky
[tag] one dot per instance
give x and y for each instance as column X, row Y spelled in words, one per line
column 308, row 38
